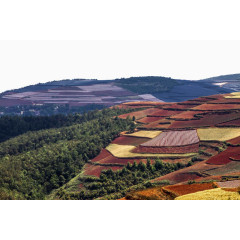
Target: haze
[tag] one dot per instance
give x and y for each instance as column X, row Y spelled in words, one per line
column 29, row 62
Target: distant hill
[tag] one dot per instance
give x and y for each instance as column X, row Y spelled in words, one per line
column 230, row 77
column 231, row 81
column 80, row 95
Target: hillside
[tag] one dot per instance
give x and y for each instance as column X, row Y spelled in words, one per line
column 231, row 81
column 33, row 163
column 136, row 150
column 81, row 95
column 176, row 149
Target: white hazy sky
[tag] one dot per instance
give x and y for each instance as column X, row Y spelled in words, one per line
column 29, row 62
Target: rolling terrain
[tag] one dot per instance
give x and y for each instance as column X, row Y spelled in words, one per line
column 139, row 147
column 176, row 149
column 80, row 95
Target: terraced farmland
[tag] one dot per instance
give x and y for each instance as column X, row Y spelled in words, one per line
column 172, row 142
column 139, row 114
column 213, row 194
column 127, row 140
column 218, row 134
column 107, row 94
column 233, row 95
column 95, row 170
column 226, row 156
column 126, row 151
column 214, row 107
column 144, row 134
column 179, row 190
column 205, row 120
column 202, row 135
column 229, row 184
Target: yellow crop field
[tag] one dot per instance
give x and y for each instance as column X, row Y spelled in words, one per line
column 124, row 151
column 234, row 95
column 213, row 194
column 146, row 134
column 219, row 134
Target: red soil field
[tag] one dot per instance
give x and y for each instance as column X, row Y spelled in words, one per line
column 135, row 141
column 150, row 119
column 177, row 177
column 213, row 107
column 202, row 167
column 179, row 190
column 230, row 175
column 223, row 100
column 154, row 193
column 207, row 99
column 226, row 101
column 164, row 113
column 95, row 170
column 224, row 157
column 215, row 178
column 227, row 169
column 161, row 124
column 206, row 120
column 189, row 173
column 158, row 125
column 123, row 161
column 193, row 148
column 173, row 138
column 104, row 154
column 234, row 140
column 231, row 123
column 219, row 96
column 186, row 115
column 139, row 114
column 197, row 102
column 182, row 106
column 235, row 158
column 229, row 184
column 106, row 157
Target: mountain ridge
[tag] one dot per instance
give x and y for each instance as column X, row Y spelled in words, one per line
column 79, row 95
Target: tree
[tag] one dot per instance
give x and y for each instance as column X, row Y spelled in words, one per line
column 158, row 164
column 134, row 166
column 128, row 166
column 148, row 164
column 142, row 166
column 132, row 127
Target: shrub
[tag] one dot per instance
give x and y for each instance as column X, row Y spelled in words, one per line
column 148, row 184
column 195, row 159
column 191, row 181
